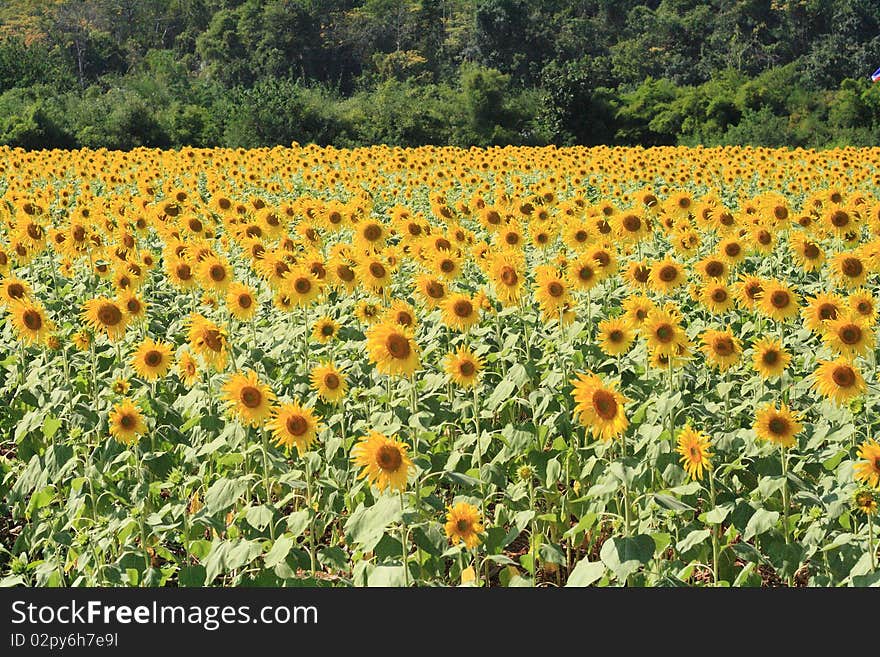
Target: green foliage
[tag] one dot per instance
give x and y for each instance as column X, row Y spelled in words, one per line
column 463, row 72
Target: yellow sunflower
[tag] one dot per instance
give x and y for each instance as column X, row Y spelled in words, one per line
column 778, row 425
column 248, row 398
column 838, row 380
column 325, row 329
column 667, row 275
column 862, row 303
column 848, row 336
column 30, row 322
column 463, row 525
column 693, row 446
column 187, row 369
column 599, row 407
column 208, row 340
column 463, row 366
column 778, row 301
column 769, row 358
column 460, row 312
column 392, row 349
column 868, row 469
column 126, row 422
column 105, row 315
column 722, row 348
column 384, row 461
column 615, row 335
column 820, row 309
column 152, row 360
column 663, row 331
column 241, row 301
column 293, row 425
column 328, row 381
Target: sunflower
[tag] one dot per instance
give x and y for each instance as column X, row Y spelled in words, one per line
column 820, row 309
column 715, row 297
column 302, row 285
column 694, row 449
column 460, row 312
column 81, row 340
column 463, row 525
column 849, row 269
column 13, row 289
column 663, row 331
column 748, row 291
column 636, row 309
column 214, row 273
column 712, row 268
column 599, row 407
column 848, row 336
column 126, row 422
column 208, row 340
column 241, row 301
column 867, row 500
column 248, row 398
column 151, row 360
column 463, row 366
column 135, row 307
column 507, row 280
column 293, row 425
column 187, row 369
column 778, row 301
column 328, row 381
column 325, row 329
column 551, row 292
column 731, row 251
column 384, row 461
column 374, row 273
column 401, row 313
column 862, row 303
column 615, row 335
column 838, row 380
column 30, row 322
column 583, row 273
column 868, row 469
column 808, row 255
column 430, row 289
column 666, row 276
column 638, row 274
column 105, row 315
column 778, row 425
column 120, row 386
column 446, row 265
column 722, row 348
column 392, row 349
column 180, row 273
column 769, row 358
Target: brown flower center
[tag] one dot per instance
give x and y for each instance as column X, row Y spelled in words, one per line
column 345, row 273
column 509, row 276
column 463, row 308
column 217, row 273
column 605, row 404
column 127, row 421
column 827, row 311
column 467, row 368
column 109, row 314
column 33, row 320
column 714, row 269
column 780, row 299
column 811, row 251
column 581, row 236
column 668, row 273
column 327, row 330
column 214, row 340
column 447, row 266
column 852, row 267
column 398, row 346
column 844, row 376
column 778, row 425
column 372, row 232
column 153, row 358
column 850, row 334
column 377, row 270
column 616, row 336
column 389, row 458
column 664, row 333
column 296, row 425
column 723, row 346
column 331, row 381
column 435, row 290
column 302, row 285
column 839, row 219
column 770, row 357
column 463, row 526
column 632, row 223
column 732, row 249
column 719, row 295
column 555, row 289
column 251, row 396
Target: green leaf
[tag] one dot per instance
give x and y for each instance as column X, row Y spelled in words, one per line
column 692, row 539
column 367, row 525
column 624, row 556
column 585, row 573
column 279, row 551
column 297, row 522
column 501, row 394
column 386, row 576
column 259, row 517
column 50, row 426
column 671, row 503
column 223, row 493
column 717, row 515
column 192, row 576
column 762, row 521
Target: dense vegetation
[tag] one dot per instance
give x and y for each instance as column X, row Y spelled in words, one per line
column 124, row 73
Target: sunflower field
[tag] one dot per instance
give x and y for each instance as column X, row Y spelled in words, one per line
column 439, row 367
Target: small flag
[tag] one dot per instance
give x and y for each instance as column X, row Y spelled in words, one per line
column 876, row 76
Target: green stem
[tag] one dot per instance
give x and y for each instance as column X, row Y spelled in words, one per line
column 404, row 551
column 871, row 543
column 312, row 554
column 266, row 483
column 479, row 476
column 713, row 529
column 534, row 536
column 785, row 502
column 626, row 504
